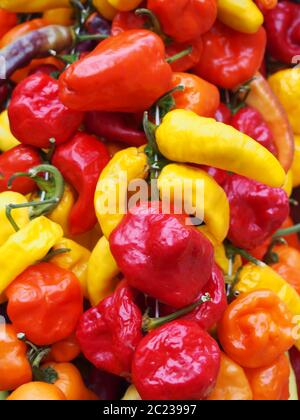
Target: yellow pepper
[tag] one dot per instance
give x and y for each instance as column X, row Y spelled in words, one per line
column 126, row 165
column 61, row 213
column 132, row 394
column 33, row 6
column 76, row 260
column 102, row 272
column 105, row 9
column 184, row 137
column 124, row 5
column 288, row 184
column 62, row 16
column 241, row 15
column 286, row 85
column 255, row 277
column 25, row 247
column 296, row 163
column 7, row 139
column 214, row 204
column 21, row 216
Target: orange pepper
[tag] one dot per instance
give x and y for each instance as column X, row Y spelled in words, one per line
column 256, row 329
column 60, row 16
column 288, row 266
column 232, row 383
column 7, row 21
column 198, row 95
column 271, row 382
column 15, row 369
column 37, row 391
column 64, row 351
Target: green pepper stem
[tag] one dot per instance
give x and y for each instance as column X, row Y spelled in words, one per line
column 232, row 251
column 155, row 24
column 179, row 55
column 91, row 37
column 152, row 323
column 54, row 253
column 287, row 231
column 272, row 257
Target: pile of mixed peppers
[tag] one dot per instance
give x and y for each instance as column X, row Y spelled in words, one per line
column 143, row 305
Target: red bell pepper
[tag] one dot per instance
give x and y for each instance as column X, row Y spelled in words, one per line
column 81, row 161
column 37, row 115
column 282, row 25
column 162, row 256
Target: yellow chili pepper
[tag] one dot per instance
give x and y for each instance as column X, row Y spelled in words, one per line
column 132, row 394
column 286, row 85
column 76, row 260
column 7, row 139
column 126, row 165
column 296, row 163
column 25, row 247
column 124, row 5
column 184, row 137
column 102, row 272
column 105, row 9
column 61, row 213
column 214, row 204
column 255, row 277
column 32, row 6
column 288, row 184
column 21, row 216
column 62, row 16
column 241, row 15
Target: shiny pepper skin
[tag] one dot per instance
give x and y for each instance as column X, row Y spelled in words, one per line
column 178, row 361
column 18, row 159
column 282, row 26
column 98, row 82
column 184, row 20
column 36, row 113
column 256, row 211
column 162, row 256
column 81, row 161
column 229, row 57
column 109, row 332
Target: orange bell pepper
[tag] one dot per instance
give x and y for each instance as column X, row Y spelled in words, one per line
column 288, row 266
column 7, row 21
column 37, row 391
column 64, row 351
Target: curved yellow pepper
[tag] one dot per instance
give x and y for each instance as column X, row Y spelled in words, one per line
column 215, row 202
column 76, row 260
column 124, row 5
column 131, row 163
column 33, row 6
column 102, row 272
column 25, row 247
column 286, row 85
column 241, row 15
column 61, row 16
column 184, row 137
column 131, row 394
column 105, row 9
column 296, row 162
column 254, row 277
column 7, row 139
column 288, row 184
column 21, row 216
column 61, row 213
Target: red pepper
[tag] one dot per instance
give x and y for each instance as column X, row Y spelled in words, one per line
column 256, row 211
column 36, row 114
column 125, row 73
column 184, row 20
column 160, row 255
column 282, row 24
column 223, row 114
column 250, row 121
column 178, row 361
column 295, row 360
column 125, row 21
column 18, row 159
column 113, row 126
column 230, row 58
column 109, row 333
column 81, row 161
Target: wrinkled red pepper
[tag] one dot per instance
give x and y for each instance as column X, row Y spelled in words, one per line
column 160, row 255
column 81, row 161
column 282, row 25
column 178, row 361
column 256, row 211
column 18, row 159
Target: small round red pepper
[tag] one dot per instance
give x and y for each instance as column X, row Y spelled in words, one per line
column 37, row 115
column 18, row 159
column 162, row 256
column 81, row 161
column 178, row 361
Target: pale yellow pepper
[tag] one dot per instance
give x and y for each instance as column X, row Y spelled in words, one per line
column 102, row 272
column 76, row 260
column 111, row 191
column 62, row 16
column 33, row 6
column 105, row 9
column 286, row 86
column 296, row 162
column 25, row 247
column 213, row 204
column 7, row 139
column 62, row 212
column 288, row 184
column 21, row 216
column 255, row 277
column 240, row 15
column 125, row 5
column 186, row 137
column 131, row 394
